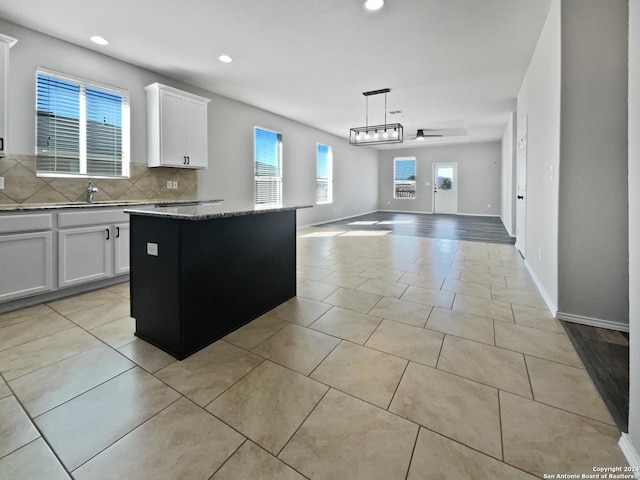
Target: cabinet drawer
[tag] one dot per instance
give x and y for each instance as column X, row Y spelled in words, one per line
column 84, row 218
column 25, row 223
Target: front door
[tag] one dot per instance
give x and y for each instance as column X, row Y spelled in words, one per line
column 521, row 188
column 445, row 188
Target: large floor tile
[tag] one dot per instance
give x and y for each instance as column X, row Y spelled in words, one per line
column 484, row 278
column 116, row 333
column 122, row 289
column 344, row 279
column 250, row 462
column 406, row 341
column 347, row 324
column 433, row 281
column 472, row 289
column 86, row 425
column 148, row 356
column 386, row 274
column 16, row 430
column 77, row 303
column 427, row 296
column 30, row 313
column 410, row 313
column 28, row 357
column 317, row 291
column 33, row 461
column 510, row 271
column 99, row 315
column 521, row 284
column 269, row 404
column 497, row 367
column 537, row 343
column 207, row 373
column 542, row 439
column 353, row 300
column 438, row 457
column 362, row 372
column 312, row 273
column 566, row 387
column 383, row 288
column 519, row 297
column 347, row 438
column 458, row 408
column 299, row 310
column 32, row 329
column 536, row 318
column 54, row 384
column 297, row 348
column 483, row 307
column 255, row 332
column 182, row 441
column 4, row 388
column 462, row 325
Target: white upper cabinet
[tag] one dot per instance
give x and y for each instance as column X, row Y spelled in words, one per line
column 5, row 44
column 176, row 128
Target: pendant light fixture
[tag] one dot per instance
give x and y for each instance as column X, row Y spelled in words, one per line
column 376, row 134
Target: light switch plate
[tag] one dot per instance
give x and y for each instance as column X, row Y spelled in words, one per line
column 1, row 183
column 175, row 184
column 169, row 184
column 152, row 249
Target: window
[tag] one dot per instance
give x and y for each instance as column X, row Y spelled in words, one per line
column 404, row 175
column 82, row 128
column 324, row 169
column 268, row 167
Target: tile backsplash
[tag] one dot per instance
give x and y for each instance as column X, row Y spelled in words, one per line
column 21, row 185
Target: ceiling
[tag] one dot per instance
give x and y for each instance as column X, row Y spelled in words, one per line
column 447, row 62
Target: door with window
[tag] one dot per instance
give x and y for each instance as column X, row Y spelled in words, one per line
column 445, row 188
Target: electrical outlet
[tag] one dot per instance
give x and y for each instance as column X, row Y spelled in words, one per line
column 152, row 249
column 1, row 183
column 169, row 184
column 175, row 184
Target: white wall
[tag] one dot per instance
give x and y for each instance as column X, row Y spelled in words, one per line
column 479, row 176
column 230, row 172
column 508, row 196
column 593, row 213
column 634, row 222
column 539, row 99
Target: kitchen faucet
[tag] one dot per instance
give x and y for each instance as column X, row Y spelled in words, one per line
column 90, row 191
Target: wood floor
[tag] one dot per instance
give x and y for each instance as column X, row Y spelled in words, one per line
column 450, row 227
column 605, row 354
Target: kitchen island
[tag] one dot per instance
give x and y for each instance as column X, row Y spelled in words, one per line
column 201, row 271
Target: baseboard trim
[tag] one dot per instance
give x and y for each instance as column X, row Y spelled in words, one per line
column 593, row 322
column 479, row 215
column 298, row 227
column 405, row 211
column 553, row 308
column 630, row 453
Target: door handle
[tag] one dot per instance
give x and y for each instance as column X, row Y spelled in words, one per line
column 108, row 234
column 520, row 197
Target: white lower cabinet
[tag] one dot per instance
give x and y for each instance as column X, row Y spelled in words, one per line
column 84, row 255
column 121, row 249
column 27, row 264
column 92, row 253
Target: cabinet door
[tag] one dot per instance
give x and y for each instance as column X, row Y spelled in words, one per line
column 121, row 250
column 172, row 129
column 84, row 255
column 27, row 263
column 196, row 133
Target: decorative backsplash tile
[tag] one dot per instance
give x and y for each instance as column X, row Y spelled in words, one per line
column 21, row 185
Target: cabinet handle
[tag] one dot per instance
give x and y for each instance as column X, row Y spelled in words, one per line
column 188, row 160
column 108, row 234
column 117, row 232
column 185, row 160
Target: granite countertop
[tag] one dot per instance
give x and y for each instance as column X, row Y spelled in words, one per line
column 206, row 211
column 111, row 203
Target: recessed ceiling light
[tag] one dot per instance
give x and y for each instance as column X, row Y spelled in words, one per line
column 99, row 40
column 372, row 5
column 225, row 58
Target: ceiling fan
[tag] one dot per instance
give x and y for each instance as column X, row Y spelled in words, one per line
column 423, row 133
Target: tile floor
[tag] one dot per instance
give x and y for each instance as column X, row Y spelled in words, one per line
column 401, row 358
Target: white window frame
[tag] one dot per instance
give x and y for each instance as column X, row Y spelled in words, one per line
column 126, row 125
column 396, row 182
column 277, row 180
column 322, row 181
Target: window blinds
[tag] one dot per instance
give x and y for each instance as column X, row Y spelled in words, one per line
column 268, row 167
column 81, row 129
column 404, row 178
column 324, row 174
